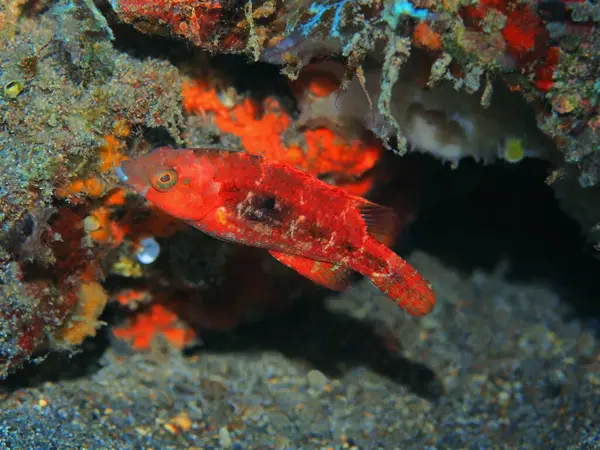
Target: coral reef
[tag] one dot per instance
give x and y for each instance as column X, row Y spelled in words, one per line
column 480, row 76
column 70, row 104
column 217, row 26
column 547, row 51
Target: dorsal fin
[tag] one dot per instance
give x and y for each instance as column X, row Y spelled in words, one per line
column 381, row 221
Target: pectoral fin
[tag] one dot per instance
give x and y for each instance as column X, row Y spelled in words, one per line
column 332, row 276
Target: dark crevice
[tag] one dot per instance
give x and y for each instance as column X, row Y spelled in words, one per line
column 59, row 366
column 476, row 216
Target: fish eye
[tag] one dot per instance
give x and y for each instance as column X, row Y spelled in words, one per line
column 164, row 180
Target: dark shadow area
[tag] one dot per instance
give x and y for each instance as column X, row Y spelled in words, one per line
column 476, row 216
column 140, row 45
column 332, row 343
column 59, row 366
column 257, row 80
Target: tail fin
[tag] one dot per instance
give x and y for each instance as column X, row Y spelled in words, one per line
column 406, row 287
column 386, row 270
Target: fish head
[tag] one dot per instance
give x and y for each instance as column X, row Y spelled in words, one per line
column 178, row 181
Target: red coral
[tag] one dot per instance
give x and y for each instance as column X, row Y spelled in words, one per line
column 210, row 24
column 525, row 34
column 155, row 320
column 523, row 31
column 323, row 153
column 545, row 73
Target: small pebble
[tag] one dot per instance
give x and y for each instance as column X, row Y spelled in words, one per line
column 557, row 377
column 316, row 379
column 224, row 438
column 502, row 316
column 586, row 344
column 503, row 397
column 282, row 443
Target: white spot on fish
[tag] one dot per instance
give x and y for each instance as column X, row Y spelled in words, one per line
column 331, row 242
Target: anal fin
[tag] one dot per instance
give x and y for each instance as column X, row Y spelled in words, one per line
column 332, row 276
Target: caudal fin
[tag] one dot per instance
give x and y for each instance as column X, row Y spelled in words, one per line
column 406, row 287
column 386, row 270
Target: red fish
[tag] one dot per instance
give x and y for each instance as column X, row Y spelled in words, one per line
column 317, row 229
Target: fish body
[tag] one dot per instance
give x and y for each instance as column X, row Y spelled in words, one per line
column 315, row 228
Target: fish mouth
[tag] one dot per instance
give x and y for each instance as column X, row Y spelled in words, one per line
column 128, row 174
column 121, row 175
